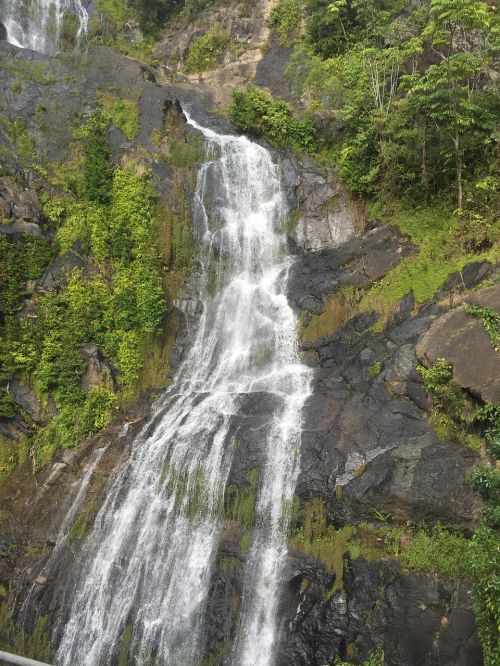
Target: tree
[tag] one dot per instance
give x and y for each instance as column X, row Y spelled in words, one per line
column 457, row 34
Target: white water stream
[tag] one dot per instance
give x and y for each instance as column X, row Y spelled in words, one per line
column 37, row 24
column 148, row 561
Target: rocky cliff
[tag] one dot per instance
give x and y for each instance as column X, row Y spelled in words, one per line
column 372, row 566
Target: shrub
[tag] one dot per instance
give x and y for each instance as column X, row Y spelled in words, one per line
column 446, row 394
column 284, row 19
column 97, row 410
column 207, row 51
column 254, row 111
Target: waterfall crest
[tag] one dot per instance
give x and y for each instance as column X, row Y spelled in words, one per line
column 147, row 564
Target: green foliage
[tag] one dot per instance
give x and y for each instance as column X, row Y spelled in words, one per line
column 440, row 550
column 18, row 134
column 284, row 19
column 97, row 171
column 489, row 417
column 254, row 111
column 446, row 394
column 7, row 408
column 486, row 482
column 13, row 639
column 418, row 105
column 20, row 261
column 491, row 321
column 97, row 410
column 484, row 566
column 123, row 113
column 207, row 51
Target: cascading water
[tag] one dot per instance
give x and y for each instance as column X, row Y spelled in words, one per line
column 37, row 24
column 147, row 564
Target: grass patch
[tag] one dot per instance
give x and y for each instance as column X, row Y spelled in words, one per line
column 424, row 272
column 116, row 11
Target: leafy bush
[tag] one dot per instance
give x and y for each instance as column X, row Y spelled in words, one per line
column 207, row 51
column 254, row 111
column 97, row 410
column 123, row 113
column 284, row 19
column 446, row 394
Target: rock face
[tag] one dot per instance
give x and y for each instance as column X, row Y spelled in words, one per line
column 325, row 216
column 463, row 341
column 416, row 619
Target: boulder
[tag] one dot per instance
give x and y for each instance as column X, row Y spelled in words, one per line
column 463, row 341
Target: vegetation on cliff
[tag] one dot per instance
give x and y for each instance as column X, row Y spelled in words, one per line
column 111, row 303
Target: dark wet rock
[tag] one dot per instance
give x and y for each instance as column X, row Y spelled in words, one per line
column 314, row 278
column 416, row 619
column 463, row 341
column 470, row 276
column 17, row 205
column 26, row 398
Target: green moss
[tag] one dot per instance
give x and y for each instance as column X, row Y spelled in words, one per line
column 13, row 639
column 426, row 270
column 184, row 155
column 337, row 309
column 239, row 504
column 13, row 452
column 39, row 72
column 439, row 550
column 375, row 369
column 123, row 112
column 83, row 520
column 246, row 542
column 69, row 30
column 126, row 642
column 216, row 657
column 228, row 564
column 331, row 545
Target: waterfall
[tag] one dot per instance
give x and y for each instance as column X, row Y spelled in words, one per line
column 37, row 24
column 143, row 578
